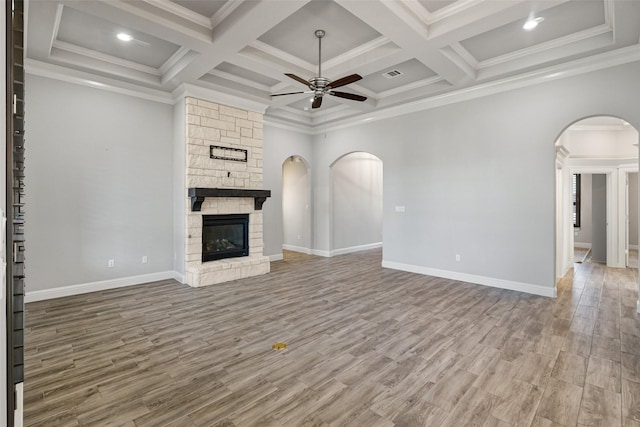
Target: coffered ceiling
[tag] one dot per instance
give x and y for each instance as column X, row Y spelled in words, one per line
column 243, row 48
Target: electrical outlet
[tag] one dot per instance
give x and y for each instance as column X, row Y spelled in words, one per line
column 458, row 257
column 111, row 263
column 144, row 259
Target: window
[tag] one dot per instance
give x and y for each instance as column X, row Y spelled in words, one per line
column 575, row 192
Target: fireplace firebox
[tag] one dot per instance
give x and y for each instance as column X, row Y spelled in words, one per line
column 225, row 236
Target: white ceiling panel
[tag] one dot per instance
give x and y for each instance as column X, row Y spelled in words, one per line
column 411, row 71
column 433, row 5
column 295, row 35
column 99, row 35
column 243, row 48
column 246, row 74
column 206, row 8
column 558, row 22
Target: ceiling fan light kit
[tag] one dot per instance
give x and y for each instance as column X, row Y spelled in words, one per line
column 320, row 86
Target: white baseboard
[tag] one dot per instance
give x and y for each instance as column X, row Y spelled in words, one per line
column 18, row 415
column 293, row 248
column 319, row 252
column 546, row 291
column 359, row 248
column 83, row 288
column 582, row 245
column 276, row 257
column 633, row 247
column 638, row 306
column 179, row 277
column 343, row 251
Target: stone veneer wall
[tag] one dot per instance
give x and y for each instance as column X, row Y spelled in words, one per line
column 208, row 124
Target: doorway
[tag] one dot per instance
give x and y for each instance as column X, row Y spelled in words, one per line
column 296, row 200
column 601, row 152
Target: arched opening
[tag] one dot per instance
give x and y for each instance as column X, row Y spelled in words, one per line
column 597, row 194
column 356, row 203
column 296, row 200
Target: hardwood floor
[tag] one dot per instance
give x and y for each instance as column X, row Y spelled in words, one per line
column 365, row 347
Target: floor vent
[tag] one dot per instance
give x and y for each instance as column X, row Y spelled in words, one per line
column 391, row 74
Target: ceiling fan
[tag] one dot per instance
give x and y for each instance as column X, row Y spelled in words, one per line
column 320, row 86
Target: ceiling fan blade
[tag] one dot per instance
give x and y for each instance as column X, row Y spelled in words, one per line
column 317, row 102
column 346, row 95
column 288, row 93
column 345, row 81
column 298, row 79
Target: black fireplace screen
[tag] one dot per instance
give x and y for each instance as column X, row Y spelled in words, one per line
column 225, row 236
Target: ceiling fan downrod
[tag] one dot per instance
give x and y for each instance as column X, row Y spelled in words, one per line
column 320, row 34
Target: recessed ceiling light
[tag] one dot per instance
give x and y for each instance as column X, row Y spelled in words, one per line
column 311, row 99
column 125, row 37
column 532, row 23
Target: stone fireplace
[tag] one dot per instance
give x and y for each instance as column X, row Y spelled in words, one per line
column 224, row 239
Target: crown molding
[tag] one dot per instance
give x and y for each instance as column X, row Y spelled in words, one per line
column 182, row 12
column 56, row 72
column 103, row 57
column 569, row 69
column 270, row 121
column 187, row 89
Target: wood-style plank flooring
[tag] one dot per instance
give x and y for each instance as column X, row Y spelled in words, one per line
column 366, row 347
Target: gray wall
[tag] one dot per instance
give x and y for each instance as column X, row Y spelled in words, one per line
column 464, row 171
column 599, row 217
column 633, row 208
column 100, row 184
column 179, row 186
column 583, row 234
column 356, row 201
column 296, row 199
column 279, row 144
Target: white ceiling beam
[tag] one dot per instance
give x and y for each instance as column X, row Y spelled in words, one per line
column 248, row 22
column 42, row 36
column 397, row 23
column 146, row 18
column 482, row 17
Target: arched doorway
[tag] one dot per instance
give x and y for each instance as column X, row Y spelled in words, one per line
column 296, row 200
column 596, row 204
column 356, row 203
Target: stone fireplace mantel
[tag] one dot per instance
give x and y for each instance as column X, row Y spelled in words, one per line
column 198, row 195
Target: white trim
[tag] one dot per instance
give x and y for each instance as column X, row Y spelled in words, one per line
column 238, row 79
column 638, row 306
column 179, row 277
column 545, row 291
column 283, row 56
column 320, row 252
column 358, row 248
column 182, row 12
column 556, row 72
column 56, row 27
column 300, row 249
column 173, row 60
column 276, row 257
column 109, row 59
column 42, row 69
column 410, row 86
column 291, row 127
column 224, row 11
column 200, row 92
column 83, row 288
column 552, row 44
column 582, row 245
column 18, row 417
column 356, row 52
